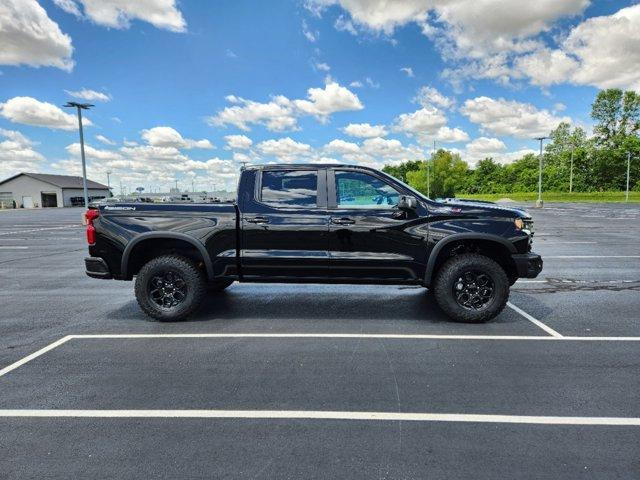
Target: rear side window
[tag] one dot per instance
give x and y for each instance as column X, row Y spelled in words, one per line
column 290, row 188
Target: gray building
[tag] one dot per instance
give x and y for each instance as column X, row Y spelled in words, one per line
column 34, row 190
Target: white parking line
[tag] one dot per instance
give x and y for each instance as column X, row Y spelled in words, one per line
column 327, row 415
column 388, row 336
column 14, row 232
column 28, row 358
column 592, row 256
column 12, row 247
column 535, row 321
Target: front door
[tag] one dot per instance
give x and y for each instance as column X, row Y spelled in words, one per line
column 370, row 239
column 285, row 226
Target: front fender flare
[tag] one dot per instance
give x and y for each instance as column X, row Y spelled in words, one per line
column 431, row 263
column 124, row 262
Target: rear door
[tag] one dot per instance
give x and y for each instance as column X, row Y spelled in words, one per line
column 370, row 239
column 285, row 225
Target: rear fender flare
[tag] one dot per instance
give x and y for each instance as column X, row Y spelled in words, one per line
column 431, row 263
column 124, row 263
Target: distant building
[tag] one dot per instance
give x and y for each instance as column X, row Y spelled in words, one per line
column 34, row 190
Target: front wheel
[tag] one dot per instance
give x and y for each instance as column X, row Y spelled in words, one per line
column 471, row 288
column 169, row 288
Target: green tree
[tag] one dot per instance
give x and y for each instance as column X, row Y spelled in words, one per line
column 446, row 175
column 400, row 171
column 617, row 114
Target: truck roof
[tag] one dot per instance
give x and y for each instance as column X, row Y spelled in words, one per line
column 278, row 166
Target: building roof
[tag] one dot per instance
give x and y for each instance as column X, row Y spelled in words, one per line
column 60, row 181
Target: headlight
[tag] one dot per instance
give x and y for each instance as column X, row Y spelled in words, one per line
column 525, row 225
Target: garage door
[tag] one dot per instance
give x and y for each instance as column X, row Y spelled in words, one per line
column 6, row 200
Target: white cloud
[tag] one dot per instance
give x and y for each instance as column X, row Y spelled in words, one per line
column 17, row 154
column 309, row 34
column 93, row 153
column 408, row 71
column 29, row 37
column 601, row 51
column 281, row 113
column 343, row 24
column 474, row 29
column 508, row 117
column 284, row 149
column 105, row 140
column 424, row 121
column 365, row 130
column 276, row 115
column 356, row 84
column 170, row 137
column 90, row 95
column 483, row 147
column 431, row 96
column 119, row 13
column 321, row 66
column 341, row 147
column 238, row 142
column 482, row 44
column 30, row 111
column 330, row 99
column 451, row 135
column 372, row 83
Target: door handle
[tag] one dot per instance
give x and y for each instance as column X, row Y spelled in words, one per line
column 342, row 221
column 257, row 220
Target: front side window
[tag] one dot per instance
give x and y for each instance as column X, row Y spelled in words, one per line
column 360, row 190
column 290, row 188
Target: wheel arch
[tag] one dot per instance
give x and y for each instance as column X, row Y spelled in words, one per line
column 155, row 240
column 492, row 246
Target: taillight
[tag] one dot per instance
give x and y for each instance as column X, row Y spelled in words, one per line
column 90, row 216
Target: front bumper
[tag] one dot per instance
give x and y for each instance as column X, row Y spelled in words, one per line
column 528, row 265
column 97, row 268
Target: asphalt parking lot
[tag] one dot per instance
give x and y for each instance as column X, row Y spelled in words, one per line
column 320, row 381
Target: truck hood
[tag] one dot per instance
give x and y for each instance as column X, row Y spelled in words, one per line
column 478, row 210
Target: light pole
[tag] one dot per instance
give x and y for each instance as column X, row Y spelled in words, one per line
column 626, row 196
column 109, row 180
column 80, row 107
column 539, row 202
column 571, row 174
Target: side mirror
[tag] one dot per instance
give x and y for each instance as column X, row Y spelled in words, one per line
column 407, row 202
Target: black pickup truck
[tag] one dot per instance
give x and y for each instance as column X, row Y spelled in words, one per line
column 314, row 224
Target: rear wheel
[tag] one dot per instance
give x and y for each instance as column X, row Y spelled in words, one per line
column 169, row 288
column 471, row 288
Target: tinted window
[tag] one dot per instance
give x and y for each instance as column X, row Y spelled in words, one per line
column 290, row 188
column 360, row 190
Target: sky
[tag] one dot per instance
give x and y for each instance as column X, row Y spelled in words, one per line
column 188, row 90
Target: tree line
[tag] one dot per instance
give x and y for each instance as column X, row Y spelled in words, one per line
column 572, row 160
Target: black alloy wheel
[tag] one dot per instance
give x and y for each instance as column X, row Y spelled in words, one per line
column 170, row 287
column 473, row 290
column 167, row 289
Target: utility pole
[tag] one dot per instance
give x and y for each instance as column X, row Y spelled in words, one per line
column 539, row 203
column 109, row 179
column 626, row 196
column 571, row 174
column 80, row 107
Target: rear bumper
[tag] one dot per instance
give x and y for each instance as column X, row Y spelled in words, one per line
column 528, row 265
column 97, row 268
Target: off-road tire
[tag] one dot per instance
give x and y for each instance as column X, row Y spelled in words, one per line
column 187, row 271
column 449, row 274
column 218, row 285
